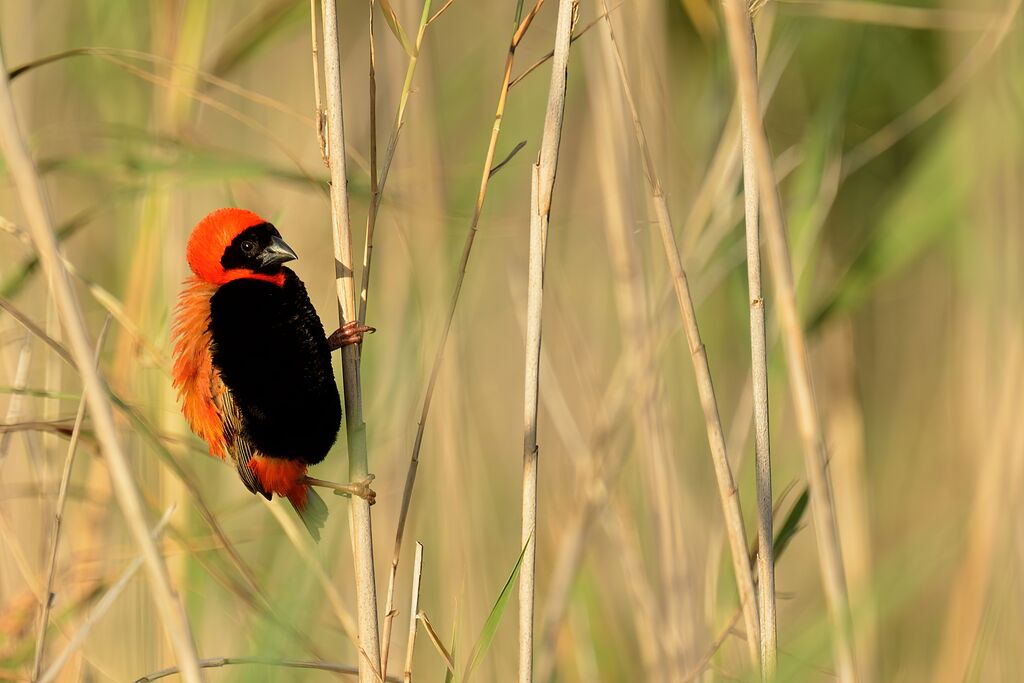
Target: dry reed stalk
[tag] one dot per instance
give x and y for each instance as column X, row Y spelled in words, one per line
column 435, row 640
column 540, row 213
column 377, row 184
column 740, row 38
column 318, row 103
column 728, row 494
column 371, row 214
column 35, row 205
column 414, row 609
column 58, row 517
column 759, row 385
column 362, row 533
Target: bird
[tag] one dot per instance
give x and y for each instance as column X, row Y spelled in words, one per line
column 252, row 364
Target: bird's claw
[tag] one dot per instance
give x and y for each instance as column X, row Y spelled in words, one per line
column 360, row 488
column 349, row 333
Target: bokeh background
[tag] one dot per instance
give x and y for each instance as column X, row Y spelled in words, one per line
column 897, row 134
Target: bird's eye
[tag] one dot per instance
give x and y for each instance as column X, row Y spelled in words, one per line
column 248, row 247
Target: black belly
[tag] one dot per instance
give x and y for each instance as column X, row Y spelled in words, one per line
column 270, row 349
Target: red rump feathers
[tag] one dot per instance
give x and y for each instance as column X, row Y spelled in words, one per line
column 211, row 237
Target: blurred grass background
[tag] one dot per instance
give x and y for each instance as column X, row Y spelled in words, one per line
column 906, row 243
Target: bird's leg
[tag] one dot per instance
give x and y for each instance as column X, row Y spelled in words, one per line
column 359, row 488
column 349, row 333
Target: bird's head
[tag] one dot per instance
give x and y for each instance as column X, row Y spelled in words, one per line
column 230, row 244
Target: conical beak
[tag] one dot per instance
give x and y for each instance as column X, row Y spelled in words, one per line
column 276, row 253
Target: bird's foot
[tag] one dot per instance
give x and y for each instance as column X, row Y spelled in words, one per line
column 349, row 333
column 359, row 488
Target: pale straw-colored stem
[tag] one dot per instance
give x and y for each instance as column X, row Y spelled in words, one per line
column 414, row 609
column 362, row 534
column 35, row 205
column 540, row 211
column 759, row 384
column 317, row 99
column 740, row 39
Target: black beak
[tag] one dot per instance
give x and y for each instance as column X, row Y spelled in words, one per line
column 276, row 253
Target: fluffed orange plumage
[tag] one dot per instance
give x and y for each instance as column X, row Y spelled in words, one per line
column 193, row 373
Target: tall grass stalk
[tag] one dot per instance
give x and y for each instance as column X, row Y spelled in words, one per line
column 741, row 47
column 35, row 205
column 759, row 385
column 378, row 180
column 540, row 213
column 414, row 609
column 362, row 533
column 728, row 494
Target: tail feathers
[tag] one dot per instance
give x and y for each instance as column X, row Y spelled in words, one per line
column 313, row 514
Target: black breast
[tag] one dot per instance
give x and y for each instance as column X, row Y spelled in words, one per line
column 270, row 349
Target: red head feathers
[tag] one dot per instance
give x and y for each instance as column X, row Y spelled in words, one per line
column 211, row 238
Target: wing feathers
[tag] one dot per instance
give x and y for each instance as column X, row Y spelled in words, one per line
column 238, row 445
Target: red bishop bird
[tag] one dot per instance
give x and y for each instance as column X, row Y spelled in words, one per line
column 252, row 365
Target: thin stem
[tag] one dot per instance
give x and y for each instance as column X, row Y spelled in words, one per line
column 738, row 27
column 728, row 494
column 371, row 215
column 540, row 213
column 317, row 99
column 377, row 184
column 58, row 518
column 35, row 205
column 362, row 533
column 414, row 609
column 759, row 384
column 435, row 640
